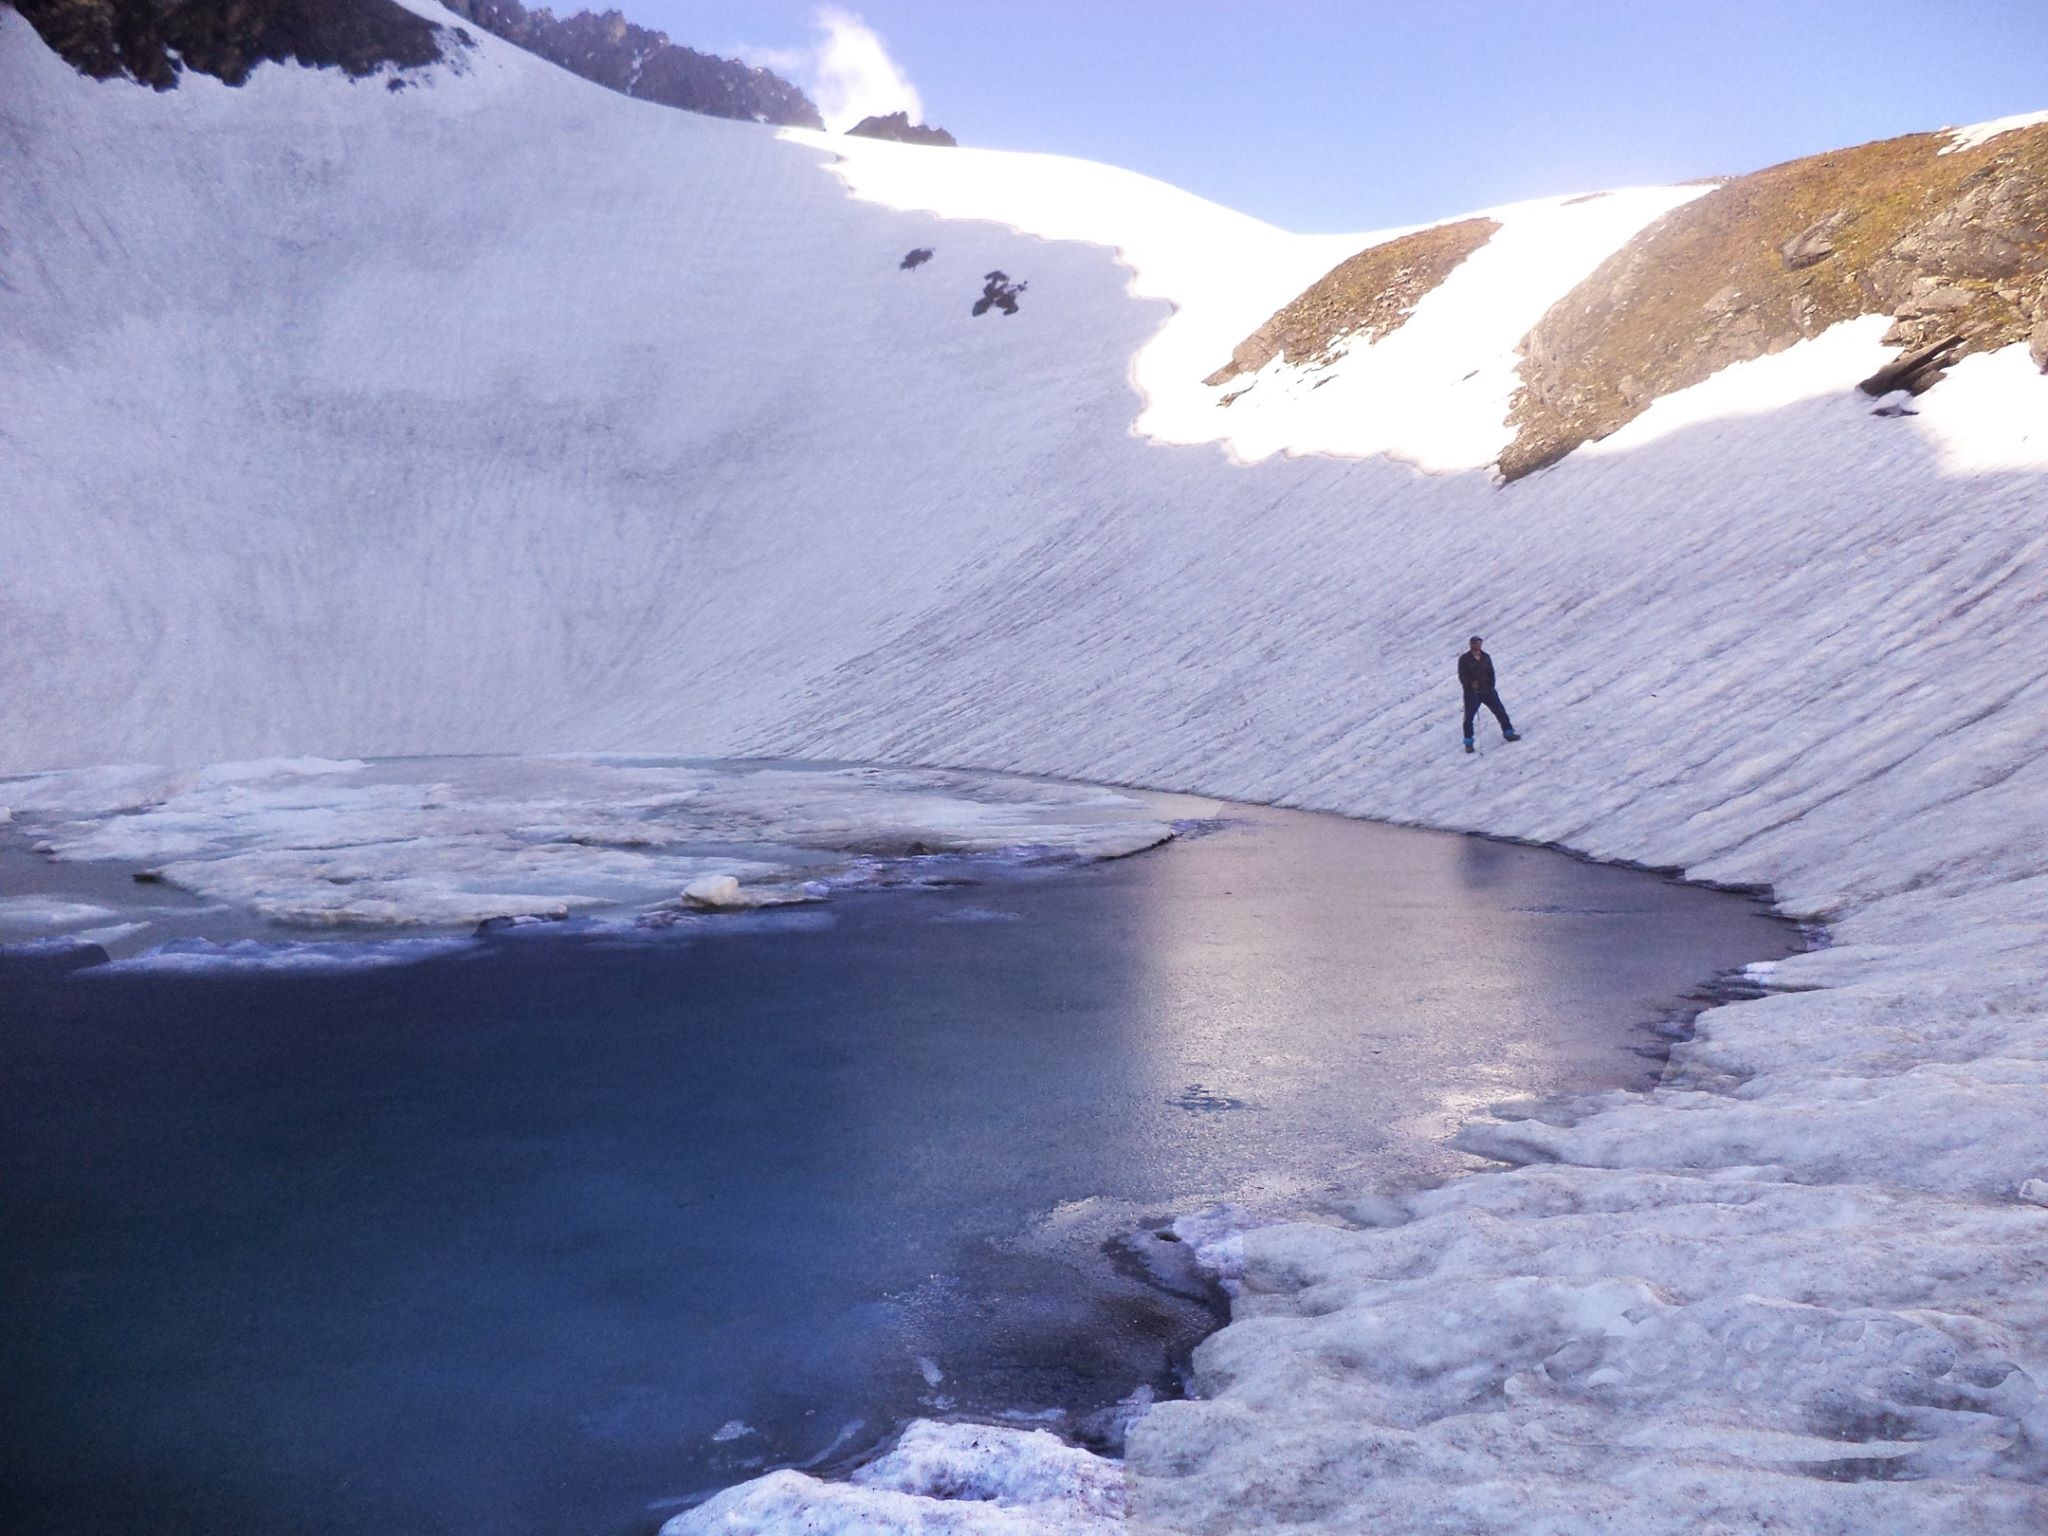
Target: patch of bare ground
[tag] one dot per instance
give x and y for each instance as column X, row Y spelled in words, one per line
column 1954, row 247
column 1363, row 298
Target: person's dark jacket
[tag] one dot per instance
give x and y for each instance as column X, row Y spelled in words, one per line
column 1476, row 672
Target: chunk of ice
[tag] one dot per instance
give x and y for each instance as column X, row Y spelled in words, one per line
column 715, row 891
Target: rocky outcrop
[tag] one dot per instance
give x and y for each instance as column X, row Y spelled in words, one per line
column 1368, row 296
column 1950, row 241
column 898, row 126
column 999, row 291
column 609, row 50
column 154, row 41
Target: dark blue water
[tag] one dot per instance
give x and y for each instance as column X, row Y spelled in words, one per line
column 503, row 1242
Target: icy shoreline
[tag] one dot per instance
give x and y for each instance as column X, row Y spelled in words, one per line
column 1800, row 1283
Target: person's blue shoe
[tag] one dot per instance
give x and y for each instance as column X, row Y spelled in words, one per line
column 1512, row 735
column 1468, row 745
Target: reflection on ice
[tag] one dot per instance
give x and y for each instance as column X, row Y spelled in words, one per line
column 448, row 844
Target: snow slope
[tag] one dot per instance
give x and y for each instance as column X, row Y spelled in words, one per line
column 503, row 414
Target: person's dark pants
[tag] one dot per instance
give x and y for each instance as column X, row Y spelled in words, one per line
column 1491, row 699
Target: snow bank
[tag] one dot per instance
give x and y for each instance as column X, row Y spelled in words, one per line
column 1984, row 133
column 504, row 415
column 939, row 1480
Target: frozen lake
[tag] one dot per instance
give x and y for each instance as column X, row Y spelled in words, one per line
column 558, row 1232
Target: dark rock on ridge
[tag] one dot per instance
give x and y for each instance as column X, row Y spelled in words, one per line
column 1363, row 298
column 999, row 291
column 898, row 126
column 1953, row 246
column 912, row 260
column 609, row 50
column 153, row 41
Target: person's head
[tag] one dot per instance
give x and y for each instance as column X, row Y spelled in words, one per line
column 1475, row 645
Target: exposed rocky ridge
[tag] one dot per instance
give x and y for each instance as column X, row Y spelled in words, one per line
column 609, row 50
column 898, row 126
column 1950, row 242
column 153, row 41
column 1367, row 296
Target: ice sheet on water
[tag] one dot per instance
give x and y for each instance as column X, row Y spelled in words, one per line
column 192, row 956
column 47, row 914
column 454, row 843
column 113, row 933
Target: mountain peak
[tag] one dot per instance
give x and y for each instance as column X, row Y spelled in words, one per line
column 898, row 126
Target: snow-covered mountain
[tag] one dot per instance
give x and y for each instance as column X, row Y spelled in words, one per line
column 501, row 413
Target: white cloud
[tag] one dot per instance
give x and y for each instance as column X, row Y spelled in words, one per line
column 847, row 71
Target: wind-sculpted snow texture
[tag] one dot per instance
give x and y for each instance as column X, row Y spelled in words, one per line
column 502, row 414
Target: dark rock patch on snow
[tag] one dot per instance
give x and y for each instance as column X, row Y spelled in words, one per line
column 153, row 42
column 608, row 50
column 1365, row 297
column 1951, row 242
column 1918, row 370
column 898, row 126
column 999, row 291
column 912, row 260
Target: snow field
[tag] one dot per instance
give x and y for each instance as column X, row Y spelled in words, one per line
column 1983, row 133
column 532, row 419
column 1435, row 393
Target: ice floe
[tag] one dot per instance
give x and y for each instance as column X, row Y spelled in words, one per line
column 194, row 956
column 451, row 844
column 47, row 914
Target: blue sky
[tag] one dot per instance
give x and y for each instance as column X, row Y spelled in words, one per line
column 1325, row 116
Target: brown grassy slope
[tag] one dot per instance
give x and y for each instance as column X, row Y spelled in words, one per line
column 1368, row 296
column 1954, row 247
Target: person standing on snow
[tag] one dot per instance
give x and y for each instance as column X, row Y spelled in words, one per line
column 1475, row 675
